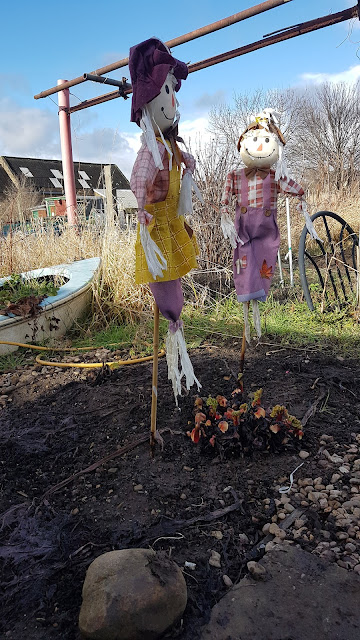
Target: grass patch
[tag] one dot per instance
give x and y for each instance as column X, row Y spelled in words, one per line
column 16, row 288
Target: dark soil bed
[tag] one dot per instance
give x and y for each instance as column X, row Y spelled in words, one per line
column 60, row 424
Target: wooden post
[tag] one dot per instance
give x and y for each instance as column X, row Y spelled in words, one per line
column 109, row 203
column 154, row 380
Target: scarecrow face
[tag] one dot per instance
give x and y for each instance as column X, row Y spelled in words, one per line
column 259, row 148
column 163, row 108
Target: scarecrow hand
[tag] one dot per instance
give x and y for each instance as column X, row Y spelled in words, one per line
column 229, row 230
column 144, row 217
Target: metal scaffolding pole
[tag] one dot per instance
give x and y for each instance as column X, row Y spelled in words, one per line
column 292, row 32
column 192, row 35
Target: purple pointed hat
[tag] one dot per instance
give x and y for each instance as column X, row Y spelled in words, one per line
column 149, row 63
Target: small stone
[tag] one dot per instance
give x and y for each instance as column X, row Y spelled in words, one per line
column 215, row 559
column 270, row 546
column 257, row 571
column 274, row 529
column 243, row 538
column 266, row 528
column 74, row 512
column 289, row 508
column 227, row 581
column 217, row 534
column 303, row 454
column 335, row 477
column 281, row 516
column 350, row 547
column 344, row 469
column 183, row 496
column 114, row 470
column 138, row 487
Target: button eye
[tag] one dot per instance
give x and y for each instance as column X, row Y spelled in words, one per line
column 267, row 139
column 167, row 89
column 254, row 139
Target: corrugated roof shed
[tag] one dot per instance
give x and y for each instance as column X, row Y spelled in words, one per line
column 47, row 177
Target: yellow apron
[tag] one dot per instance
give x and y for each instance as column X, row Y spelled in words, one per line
column 172, row 235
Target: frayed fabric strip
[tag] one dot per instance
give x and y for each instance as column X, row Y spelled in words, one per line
column 256, row 295
column 229, row 230
column 309, row 224
column 154, row 258
column 175, row 351
column 185, row 198
column 149, row 137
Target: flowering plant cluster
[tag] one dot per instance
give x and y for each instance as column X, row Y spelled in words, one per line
column 233, row 426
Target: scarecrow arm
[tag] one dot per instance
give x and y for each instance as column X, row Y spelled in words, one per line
column 142, row 178
column 189, row 162
column 227, row 225
column 290, row 187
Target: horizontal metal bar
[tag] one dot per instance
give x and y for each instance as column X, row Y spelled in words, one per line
column 301, row 29
column 123, row 84
column 305, row 27
column 192, row 35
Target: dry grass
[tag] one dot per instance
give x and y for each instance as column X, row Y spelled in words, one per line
column 116, row 295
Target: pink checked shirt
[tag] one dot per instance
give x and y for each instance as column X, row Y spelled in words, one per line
column 147, row 182
column 255, row 189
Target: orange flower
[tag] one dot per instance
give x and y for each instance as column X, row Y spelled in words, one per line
column 256, row 397
column 221, row 401
column 212, row 441
column 259, row 413
column 275, row 428
column 199, row 418
column 208, row 423
column 198, row 402
column 223, row 426
column 195, row 435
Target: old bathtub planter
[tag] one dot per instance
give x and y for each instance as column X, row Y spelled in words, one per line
column 58, row 312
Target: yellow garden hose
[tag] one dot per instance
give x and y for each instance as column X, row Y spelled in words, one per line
column 80, row 365
column 96, row 365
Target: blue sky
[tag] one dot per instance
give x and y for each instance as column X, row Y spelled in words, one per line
column 43, row 41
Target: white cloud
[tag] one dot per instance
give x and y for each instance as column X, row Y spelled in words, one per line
column 195, row 132
column 350, row 76
column 34, row 132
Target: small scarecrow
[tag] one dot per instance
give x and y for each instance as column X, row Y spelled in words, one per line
column 255, row 235
column 162, row 182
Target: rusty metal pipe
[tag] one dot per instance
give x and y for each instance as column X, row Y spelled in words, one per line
column 192, row 35
column 301, row 29
column 305, row 27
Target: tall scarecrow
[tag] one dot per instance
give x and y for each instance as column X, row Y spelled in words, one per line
column 255, row 235
column 162, row 182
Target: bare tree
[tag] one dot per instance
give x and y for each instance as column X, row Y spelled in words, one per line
column 18, row 201
column 330, row 134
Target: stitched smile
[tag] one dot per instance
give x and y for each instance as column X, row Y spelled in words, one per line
column 164, row 114
column 256, row 157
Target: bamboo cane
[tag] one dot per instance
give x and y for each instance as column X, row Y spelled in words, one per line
column 154, row 381
column 243, row 348
column 242, row 352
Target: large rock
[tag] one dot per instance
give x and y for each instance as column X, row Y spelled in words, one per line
column 132, row 594
column 302, row 598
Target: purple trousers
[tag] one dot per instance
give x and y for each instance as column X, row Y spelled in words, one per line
column 255, row 260
column 170, row 300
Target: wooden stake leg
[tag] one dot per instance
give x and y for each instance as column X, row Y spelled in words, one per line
column 243, row 348
column 154, row 380
column 242, row 352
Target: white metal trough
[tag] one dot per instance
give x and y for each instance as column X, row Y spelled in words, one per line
column 58, row 312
